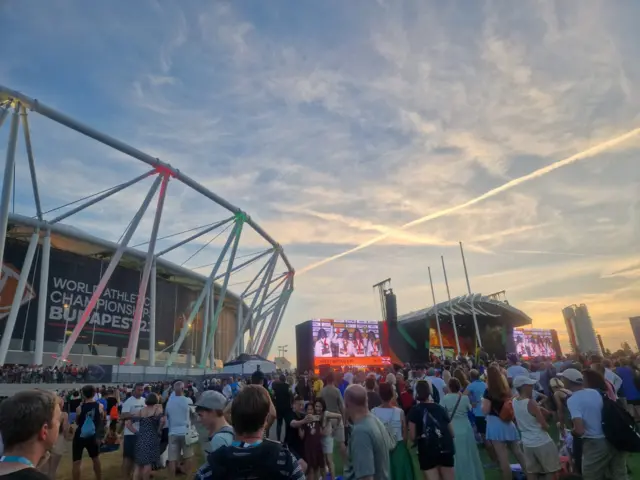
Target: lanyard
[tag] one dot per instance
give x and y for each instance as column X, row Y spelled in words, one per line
column 22, row 460
column 246, row 445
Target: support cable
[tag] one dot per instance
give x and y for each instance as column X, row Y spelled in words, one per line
column 206, row 244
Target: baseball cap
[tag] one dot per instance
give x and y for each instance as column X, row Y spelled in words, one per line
column 522, row 380
column 572, row 375
column 212, row 400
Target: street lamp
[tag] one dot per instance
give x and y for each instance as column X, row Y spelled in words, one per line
column 282, row 350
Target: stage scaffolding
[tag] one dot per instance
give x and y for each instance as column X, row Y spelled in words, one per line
column 260, row 306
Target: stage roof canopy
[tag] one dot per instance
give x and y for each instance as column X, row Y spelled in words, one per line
column 484, row 306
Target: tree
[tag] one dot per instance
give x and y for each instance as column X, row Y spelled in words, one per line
column 626, row 348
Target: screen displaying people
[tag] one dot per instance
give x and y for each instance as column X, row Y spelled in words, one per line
column 534, row 343
column 341, row 339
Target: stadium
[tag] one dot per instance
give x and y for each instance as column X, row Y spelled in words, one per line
column 69, row 294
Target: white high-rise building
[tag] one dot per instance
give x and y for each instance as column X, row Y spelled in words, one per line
column 582, row 336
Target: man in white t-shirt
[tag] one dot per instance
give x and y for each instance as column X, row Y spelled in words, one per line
column 438, row 383
column 179, row 414
column 599, row 458
column 130, row 408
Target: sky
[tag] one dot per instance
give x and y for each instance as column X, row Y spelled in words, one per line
column 333, row 123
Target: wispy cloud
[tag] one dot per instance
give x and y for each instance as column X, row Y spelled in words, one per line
column 388, row 130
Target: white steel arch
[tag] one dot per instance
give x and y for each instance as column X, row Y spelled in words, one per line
column 260, row 307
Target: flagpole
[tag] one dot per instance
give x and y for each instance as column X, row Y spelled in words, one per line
column 435, row 306
column 453, row 318
column 473, row 310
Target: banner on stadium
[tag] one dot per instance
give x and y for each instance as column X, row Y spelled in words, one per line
column 72, row 280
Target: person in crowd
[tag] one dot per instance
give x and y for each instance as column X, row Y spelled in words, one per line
column 178, row 412
column 131, row 407
column 282, row 400
column 311, row 435
column 431, row 430
column 249, row 456
column 373, row 398
column 90, row 419
column 334, row 403
column 514, row 369
column 599, row 458
column 594, row 378
column 50, row 468
column 468, row 465
column 210, row 409
column 318, row 385
column 30, row 426
column 459, row 374
column 149, row 422
column 475, row 391
column 297, row 420
column 368, row 451
column 419, row 375
column 611, row 376
column 393, row 418
column 501, row 431
column 329, row 422
column 540, row 452
column 627, row 372
column 302, row 388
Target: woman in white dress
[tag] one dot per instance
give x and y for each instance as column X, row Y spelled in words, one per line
column 322, row 347
column 345, row 345
column 359, row 344
column 373, row 345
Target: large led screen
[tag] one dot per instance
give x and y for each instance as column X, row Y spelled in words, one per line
column 534, row 342
column 348, row 343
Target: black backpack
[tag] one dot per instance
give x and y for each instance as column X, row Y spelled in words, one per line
column 255, row 463
column 436, row 435
column 619, row 427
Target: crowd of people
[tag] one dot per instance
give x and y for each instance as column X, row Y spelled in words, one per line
column 540, row 420
column 40, row 374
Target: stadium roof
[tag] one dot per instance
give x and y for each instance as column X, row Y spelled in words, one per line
column 484, row 306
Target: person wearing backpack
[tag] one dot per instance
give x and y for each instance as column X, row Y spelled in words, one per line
column 249, row 456
column 497, row 405
column 393, row 419
column 210, row 409
column 90, row 419
column 600, row 459
column 431, row 430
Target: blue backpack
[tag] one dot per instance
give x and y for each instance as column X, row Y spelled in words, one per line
column 88, row 428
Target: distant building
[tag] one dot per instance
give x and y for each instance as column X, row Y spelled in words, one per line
column 599, row 337
column 635, row 327
column 582, row 336
column 282, row 363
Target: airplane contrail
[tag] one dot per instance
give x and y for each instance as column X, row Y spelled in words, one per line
column 589, row 152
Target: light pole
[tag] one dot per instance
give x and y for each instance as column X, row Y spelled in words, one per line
column 282, row 349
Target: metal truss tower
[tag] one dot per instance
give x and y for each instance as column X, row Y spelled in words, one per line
column 267, row 294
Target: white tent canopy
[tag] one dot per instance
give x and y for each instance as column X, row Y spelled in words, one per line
column 247, row 364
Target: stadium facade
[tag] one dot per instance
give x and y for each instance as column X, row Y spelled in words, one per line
column 69, row 296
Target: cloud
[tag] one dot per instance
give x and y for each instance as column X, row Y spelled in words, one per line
column 340, row 123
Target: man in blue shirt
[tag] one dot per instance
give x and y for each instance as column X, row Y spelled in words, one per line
column 476, row 391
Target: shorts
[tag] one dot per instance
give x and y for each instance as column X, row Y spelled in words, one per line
column 178, row 448
column 79, row 444
column 129, row 447
column 542, row 460
column 327, row 444
column 481, row 425
column 338, row 434
column 428, row 459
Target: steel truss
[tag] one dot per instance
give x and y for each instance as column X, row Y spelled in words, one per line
column 267, row 301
